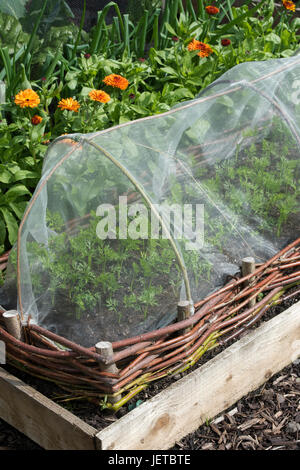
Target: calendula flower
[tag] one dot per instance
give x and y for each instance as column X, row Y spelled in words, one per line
column 225, row 42
column 194, row 45
column 211, row 10
column 36, row 119
column 289, row 5
column 205, row 49
column 99, row 95
column 27, row 98
column 70, row 104
column 116, row 81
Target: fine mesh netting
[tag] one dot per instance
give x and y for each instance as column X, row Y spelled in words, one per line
column 127, row 221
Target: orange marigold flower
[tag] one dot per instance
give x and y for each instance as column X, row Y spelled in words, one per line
column 211, row 10
column 99, row 95
column 116, row 81
column 36, row 119
column 205, row 49
column 194, row 45
column 27, row 98
column 70, row 104
column 289, row 5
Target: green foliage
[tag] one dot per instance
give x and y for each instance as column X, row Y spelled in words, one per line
column 57, row 14
column 11, row 33
column 91, row 274
column 256, row 185
column 15, row 8
column 149, row 48
column 19, row 174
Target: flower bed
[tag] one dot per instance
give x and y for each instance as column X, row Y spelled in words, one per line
column 158, row 61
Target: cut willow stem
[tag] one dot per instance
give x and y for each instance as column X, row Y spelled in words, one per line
column 105, row 349
column 248, row 267
column 154, row 210
column 13, row 324
column 183, row 313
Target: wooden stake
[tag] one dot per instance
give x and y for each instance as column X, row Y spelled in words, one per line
column 183, row 313
column 105, row 349
column 12, row 323
column 248, row 267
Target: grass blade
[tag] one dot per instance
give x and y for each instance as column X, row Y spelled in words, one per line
column 191, row 10
column 241, row 17
column 7, row 65
column 101, row 21
column 143, row 33
column 52, row 66
column 33, row 34
column 155, row 32
column 80, row 30
column 126, row 34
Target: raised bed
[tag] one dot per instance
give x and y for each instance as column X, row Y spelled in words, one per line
column 173, row 413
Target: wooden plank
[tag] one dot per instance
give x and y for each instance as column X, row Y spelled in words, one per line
column 42, row 420
column 185, row 405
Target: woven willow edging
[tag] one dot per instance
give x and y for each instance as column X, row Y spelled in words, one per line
column 219, row 318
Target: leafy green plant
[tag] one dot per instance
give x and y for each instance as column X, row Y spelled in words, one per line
column 61, row 62
column 15, row 8
column 79, row 270
column 269, row 185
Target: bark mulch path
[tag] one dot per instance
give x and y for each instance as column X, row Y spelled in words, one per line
column 266, row 419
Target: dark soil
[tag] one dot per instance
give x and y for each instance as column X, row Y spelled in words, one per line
column 268, row 418
column 115, row 324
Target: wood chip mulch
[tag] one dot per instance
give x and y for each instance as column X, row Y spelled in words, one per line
column 266, row 419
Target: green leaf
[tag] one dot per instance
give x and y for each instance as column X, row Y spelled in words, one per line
column 170, row 29
column 85, row 91
column 169, row 71
column 72, row 84
column 38, row 131
column 15, row 192
column 272, row 37
column 5, row 176
column 182, row 93
column 18, row 208
column 285, row 38
column 16, row 8
column 24, row 174
column 287, row 53
column 240, row 18
column 145, row 98
column 226, row 101
column 2, row 232
column 11, row 224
